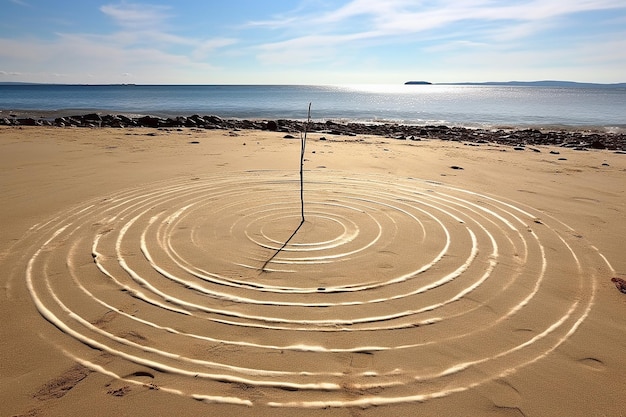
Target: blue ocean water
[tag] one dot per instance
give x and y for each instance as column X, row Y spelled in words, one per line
column 454, row 105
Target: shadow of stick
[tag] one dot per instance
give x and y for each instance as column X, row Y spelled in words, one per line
column 282, row 247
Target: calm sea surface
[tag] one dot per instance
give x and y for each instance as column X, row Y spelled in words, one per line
column 479, row 106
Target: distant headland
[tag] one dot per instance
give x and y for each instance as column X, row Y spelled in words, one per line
column 546, row 83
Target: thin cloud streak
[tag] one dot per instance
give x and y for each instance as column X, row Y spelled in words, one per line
column 398, row 17
column 135, row 15
column 404, row 21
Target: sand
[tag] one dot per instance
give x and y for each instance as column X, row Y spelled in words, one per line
column 429, row 278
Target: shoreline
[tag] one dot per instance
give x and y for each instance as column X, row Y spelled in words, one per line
column 47, row 116
column 579, row 138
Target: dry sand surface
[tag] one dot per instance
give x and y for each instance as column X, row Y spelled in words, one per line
column 429, row 278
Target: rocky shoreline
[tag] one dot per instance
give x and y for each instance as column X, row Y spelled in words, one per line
column 576, row 139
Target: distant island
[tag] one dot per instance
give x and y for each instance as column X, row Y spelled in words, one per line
column 546, row 83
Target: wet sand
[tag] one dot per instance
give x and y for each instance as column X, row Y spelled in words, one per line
column 429, row 278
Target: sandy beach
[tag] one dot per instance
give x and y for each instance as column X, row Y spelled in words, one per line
column 430, row 277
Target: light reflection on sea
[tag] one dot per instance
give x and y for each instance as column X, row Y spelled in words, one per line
column 454, row 105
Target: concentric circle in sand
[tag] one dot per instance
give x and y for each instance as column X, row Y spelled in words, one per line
column 393, row 290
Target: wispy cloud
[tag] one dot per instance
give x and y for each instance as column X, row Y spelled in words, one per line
column 404, row 20
column 143, row 24
column 142, row 47
column 21, row 3
column 136, row 15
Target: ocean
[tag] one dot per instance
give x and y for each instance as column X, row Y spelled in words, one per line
column 452, row 105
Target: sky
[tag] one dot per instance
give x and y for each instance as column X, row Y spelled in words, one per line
column 311, row 41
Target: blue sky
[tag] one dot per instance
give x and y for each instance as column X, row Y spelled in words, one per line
column 311, row 41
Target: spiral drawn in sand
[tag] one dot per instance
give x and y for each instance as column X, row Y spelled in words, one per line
column 394, row 290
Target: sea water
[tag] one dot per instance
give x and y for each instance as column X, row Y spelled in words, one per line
column 453, row 105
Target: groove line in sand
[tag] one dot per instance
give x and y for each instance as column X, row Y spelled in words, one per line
column 412, row 275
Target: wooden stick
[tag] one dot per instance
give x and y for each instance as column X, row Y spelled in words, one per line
column 302, row 150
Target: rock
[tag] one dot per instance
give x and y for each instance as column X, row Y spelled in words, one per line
column 148, row 121
column 620, row 284
column 596, row 144
column 92, row 117
column 189, row 122
column 29, row 121
column 272, row 126
column 125, row 119
column 74, row 121
column 213, row 119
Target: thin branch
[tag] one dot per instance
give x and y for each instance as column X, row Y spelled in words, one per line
column 302, row 151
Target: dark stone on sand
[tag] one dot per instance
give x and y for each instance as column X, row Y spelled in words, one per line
column 149, row 121
column 289, row 137
column 189, row 122
column 597, row 145
column 620, row 284
column 93, row 117
column 555, row 152
column 272, row 125
column 125, row 119
column 519, row 148
column 28, row 121
column 213, row 119
column 456, row 167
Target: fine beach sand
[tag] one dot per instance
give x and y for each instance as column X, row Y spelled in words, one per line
column 429, row 278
